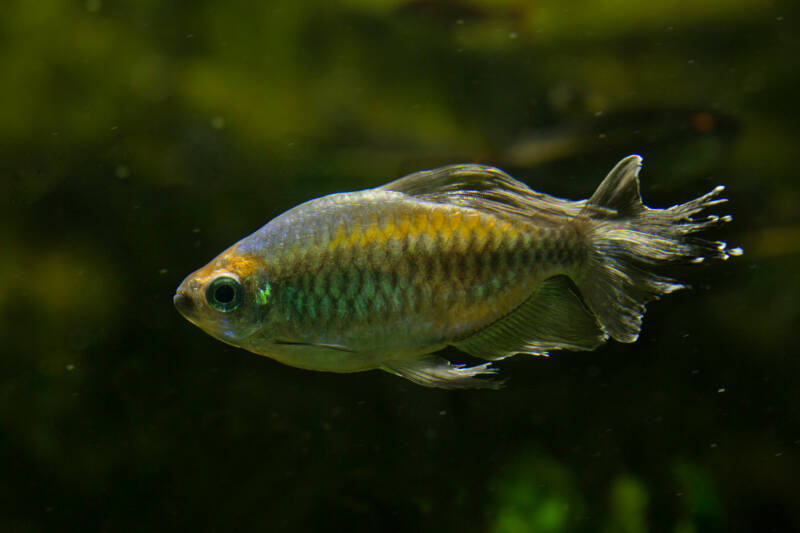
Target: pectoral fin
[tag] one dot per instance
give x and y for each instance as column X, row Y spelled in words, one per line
column 433, row 371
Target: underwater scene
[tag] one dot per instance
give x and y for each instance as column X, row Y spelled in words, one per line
column 498, row 266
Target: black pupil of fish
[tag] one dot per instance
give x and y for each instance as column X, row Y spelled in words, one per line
column 224, row 294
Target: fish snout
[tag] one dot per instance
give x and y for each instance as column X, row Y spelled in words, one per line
column 183, row 303
column 185, row 298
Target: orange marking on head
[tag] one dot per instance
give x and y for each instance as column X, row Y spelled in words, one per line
column 243, row 264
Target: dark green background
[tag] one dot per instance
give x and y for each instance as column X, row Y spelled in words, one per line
column 139, row 139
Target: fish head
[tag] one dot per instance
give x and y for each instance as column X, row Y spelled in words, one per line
column 228, row 298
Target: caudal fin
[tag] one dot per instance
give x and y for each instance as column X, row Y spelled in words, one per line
column 629, row 239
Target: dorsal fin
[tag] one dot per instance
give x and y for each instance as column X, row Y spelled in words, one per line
column 481, row 187
column 463, row 177
column 618, row 194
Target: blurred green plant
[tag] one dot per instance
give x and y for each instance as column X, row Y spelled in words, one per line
column 535, row 494
column 628, row 500
column 701, row 504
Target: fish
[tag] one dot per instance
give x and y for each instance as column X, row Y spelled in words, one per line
column 463, row 255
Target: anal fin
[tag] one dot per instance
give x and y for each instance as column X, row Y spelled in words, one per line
column 554, row 317
column 433, row 371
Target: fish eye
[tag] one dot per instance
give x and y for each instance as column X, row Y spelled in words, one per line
column 224, row 294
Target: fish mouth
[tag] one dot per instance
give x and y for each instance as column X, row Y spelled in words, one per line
column 184, row 304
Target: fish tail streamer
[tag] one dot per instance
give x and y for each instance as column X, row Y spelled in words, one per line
column 630, row 239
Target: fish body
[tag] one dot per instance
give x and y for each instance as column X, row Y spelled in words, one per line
column 462, row 255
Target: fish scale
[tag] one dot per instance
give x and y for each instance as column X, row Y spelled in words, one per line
column 422, row 274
